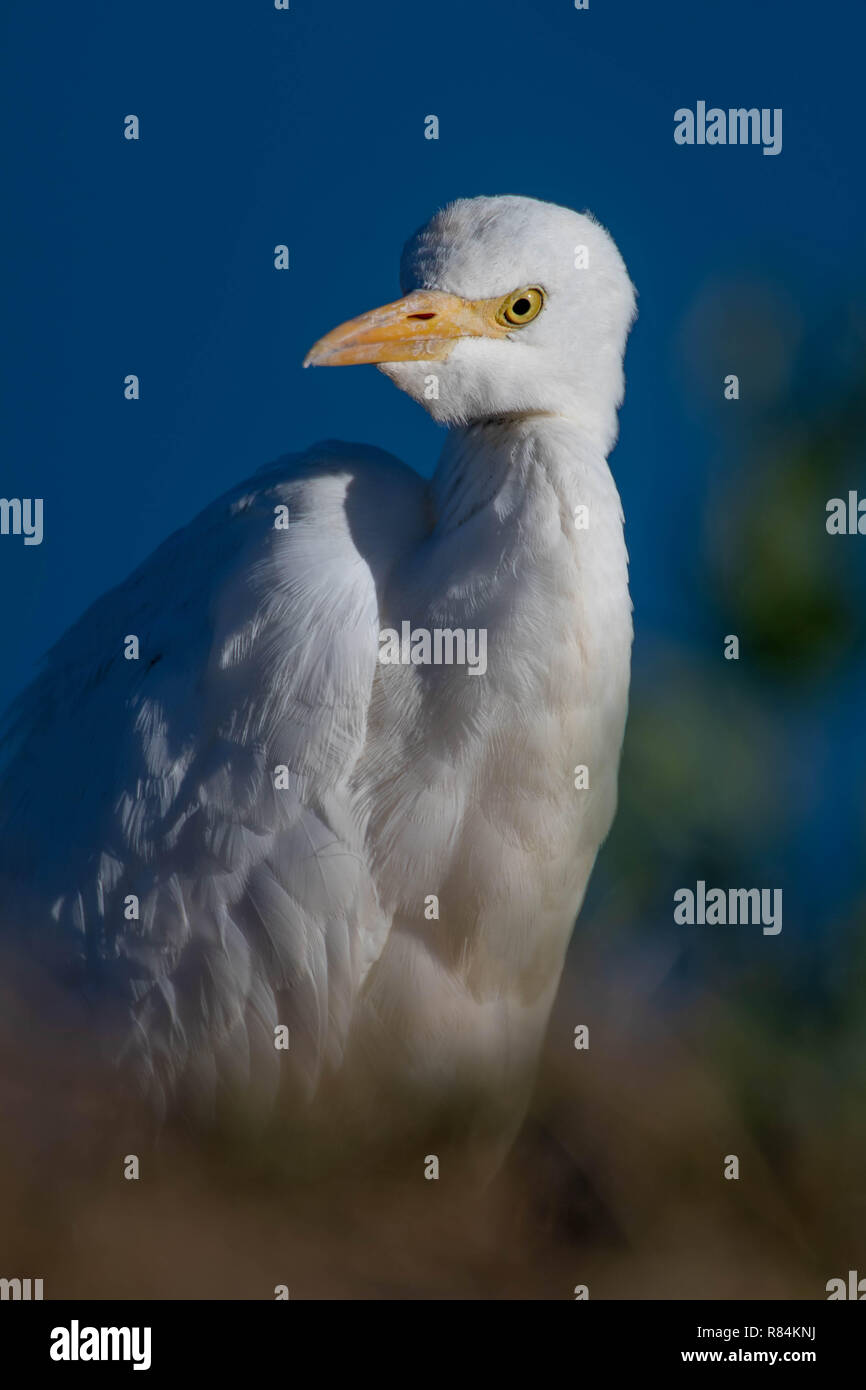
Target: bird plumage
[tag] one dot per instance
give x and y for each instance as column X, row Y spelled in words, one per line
column 283, row 806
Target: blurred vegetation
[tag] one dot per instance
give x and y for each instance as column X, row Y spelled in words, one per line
column 748, row 773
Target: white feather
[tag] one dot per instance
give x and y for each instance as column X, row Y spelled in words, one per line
column 258, row 648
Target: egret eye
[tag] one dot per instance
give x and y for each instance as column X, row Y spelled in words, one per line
column 520, row 307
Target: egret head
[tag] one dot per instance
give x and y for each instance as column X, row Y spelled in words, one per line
column 512, row 306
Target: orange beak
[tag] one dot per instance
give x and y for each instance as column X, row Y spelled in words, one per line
column 423, row 327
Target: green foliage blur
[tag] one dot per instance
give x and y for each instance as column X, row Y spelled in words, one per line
column 742, row 773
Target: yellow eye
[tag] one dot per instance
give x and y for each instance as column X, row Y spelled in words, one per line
column 521, row 307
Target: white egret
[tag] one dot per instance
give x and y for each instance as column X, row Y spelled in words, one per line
column 259, row 822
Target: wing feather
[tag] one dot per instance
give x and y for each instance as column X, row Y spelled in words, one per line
column 156, row 779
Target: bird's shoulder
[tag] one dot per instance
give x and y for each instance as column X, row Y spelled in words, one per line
column 188, row 746
column 259, row 555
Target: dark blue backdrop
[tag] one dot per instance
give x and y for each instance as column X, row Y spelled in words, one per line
column 307, row 127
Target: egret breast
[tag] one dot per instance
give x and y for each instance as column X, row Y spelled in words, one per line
column 482, row 840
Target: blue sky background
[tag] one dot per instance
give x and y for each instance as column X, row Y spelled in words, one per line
column 307, row 127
